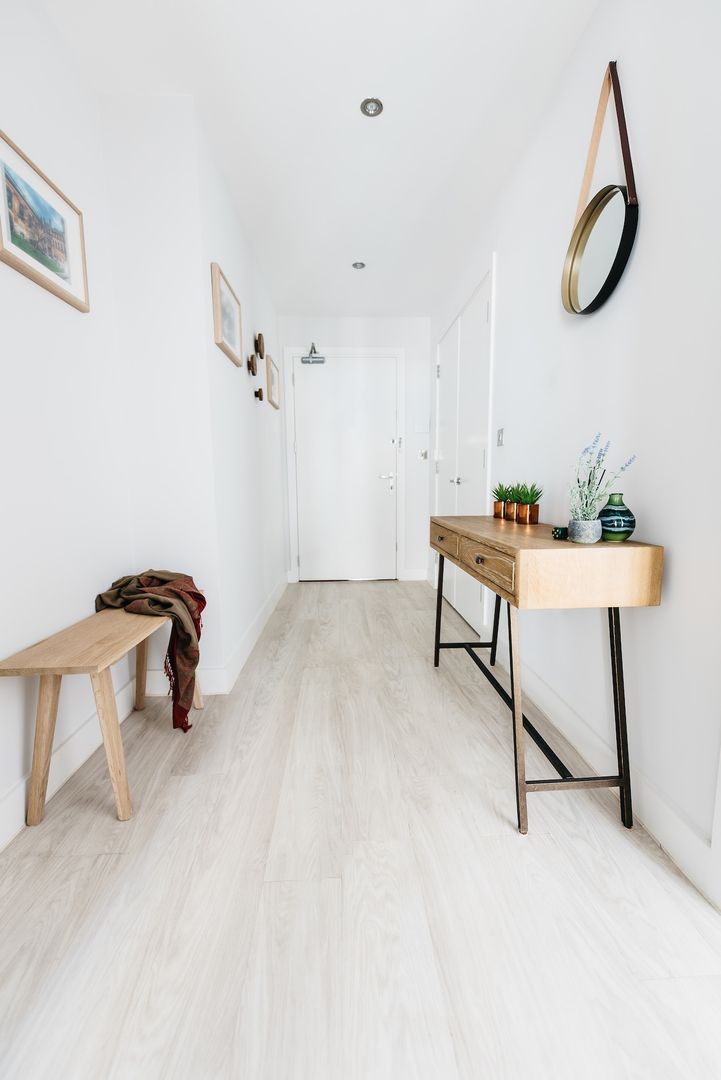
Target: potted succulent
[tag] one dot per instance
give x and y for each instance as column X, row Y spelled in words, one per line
column 510, row 507
column 529, row 496
column 500, row 494
column 589, row 489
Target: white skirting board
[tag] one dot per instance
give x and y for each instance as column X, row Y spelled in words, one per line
column 692, row 853
column 221, row 680
column 69, row 755
column 67, row 758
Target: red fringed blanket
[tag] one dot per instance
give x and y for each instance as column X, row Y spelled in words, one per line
column 163, row 592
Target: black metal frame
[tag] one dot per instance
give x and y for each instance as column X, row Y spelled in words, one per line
column 621, row 780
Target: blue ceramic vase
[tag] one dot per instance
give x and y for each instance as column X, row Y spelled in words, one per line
column 617, row 521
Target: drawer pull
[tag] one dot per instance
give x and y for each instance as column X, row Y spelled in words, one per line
column 479, row 559
column 440, row 538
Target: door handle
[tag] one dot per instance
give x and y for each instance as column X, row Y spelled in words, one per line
column 455, row 480
column 386, row 476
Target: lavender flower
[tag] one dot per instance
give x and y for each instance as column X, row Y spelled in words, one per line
column 588, row 489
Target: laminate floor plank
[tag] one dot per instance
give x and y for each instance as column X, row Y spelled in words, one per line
column 309, row 834
column 395, row 1019
column 324, row 879
column 289, row 1019
column 81, row 819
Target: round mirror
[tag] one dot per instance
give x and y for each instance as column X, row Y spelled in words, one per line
column 599, row 250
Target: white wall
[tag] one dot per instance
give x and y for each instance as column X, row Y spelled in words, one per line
column 128, row 440
column 247, row 438
column 413, row 336
column 644, row 370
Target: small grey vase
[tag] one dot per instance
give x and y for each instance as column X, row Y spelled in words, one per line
column 585, row 532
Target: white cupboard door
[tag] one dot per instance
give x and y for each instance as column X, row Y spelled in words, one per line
column 473, row 411
column 447, row 441
column 346, row 471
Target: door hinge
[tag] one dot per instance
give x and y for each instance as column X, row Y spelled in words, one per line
column 292, row 378
column 438, row 371
column 297, row 559
column 488, row 310
column 438, row 467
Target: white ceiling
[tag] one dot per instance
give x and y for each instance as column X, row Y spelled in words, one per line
column 279, row 85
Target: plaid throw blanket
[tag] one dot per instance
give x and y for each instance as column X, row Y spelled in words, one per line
column 164, row 592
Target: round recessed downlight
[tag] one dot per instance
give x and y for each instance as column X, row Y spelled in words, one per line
column 359, row 266
column 371, row 106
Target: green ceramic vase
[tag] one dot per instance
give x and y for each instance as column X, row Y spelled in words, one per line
column 617, row 521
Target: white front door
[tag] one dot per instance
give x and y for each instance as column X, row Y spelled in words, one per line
column 346, row 471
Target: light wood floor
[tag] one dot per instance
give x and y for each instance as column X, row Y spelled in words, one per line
column 324, row 880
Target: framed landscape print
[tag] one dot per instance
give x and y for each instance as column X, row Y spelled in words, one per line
column 41, row 232
column 273, row 381
column 226, row 317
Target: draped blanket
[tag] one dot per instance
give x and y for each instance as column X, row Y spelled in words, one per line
column 164, row 592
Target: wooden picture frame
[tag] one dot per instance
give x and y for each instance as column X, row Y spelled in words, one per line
column 227, row 317
column 41, row 231
column 272, row 378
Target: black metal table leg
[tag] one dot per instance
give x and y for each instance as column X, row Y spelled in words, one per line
column 439, row 610
column 619, row 709
column 519, row 752
column 494, row 636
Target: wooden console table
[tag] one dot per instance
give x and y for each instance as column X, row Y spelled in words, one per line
column 526, row 567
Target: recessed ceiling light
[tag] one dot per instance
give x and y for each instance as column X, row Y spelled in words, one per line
column 371, row 106
column 359, row 266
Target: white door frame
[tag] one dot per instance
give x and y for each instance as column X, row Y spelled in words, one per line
column 292, row 352
column 491, row 371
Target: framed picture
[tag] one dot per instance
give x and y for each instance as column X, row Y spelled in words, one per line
column 273, row 381
column 41, row 232
column 226, row 317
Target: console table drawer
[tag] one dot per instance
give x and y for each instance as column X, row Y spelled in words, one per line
column 489, row 563
column 445, row 541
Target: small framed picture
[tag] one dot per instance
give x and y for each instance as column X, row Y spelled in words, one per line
column 41, row 232
column 227, row 323
column 272, row 381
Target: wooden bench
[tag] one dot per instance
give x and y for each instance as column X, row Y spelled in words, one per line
column 90, row 647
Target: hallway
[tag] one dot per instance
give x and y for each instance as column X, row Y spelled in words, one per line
column 325, row 881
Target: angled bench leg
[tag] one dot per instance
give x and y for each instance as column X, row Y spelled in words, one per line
column 141, row 673
column 110, row 727
column 198, row 702
column 47, row 712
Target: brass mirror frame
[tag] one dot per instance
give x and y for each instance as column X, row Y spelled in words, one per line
column 588, row 215
column 581, row 235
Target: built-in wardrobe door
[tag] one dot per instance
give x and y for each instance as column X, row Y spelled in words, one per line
column 463, row 402
column 447, row 439
column 473, row 405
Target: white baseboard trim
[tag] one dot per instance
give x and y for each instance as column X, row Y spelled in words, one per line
column 245, row 647
column 293, row 577
column 221, row 680
column 690, row 851
column 212, row 681
column 75, row 750
column 67, row 758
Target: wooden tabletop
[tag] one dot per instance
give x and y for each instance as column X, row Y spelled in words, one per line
column 511, row 538
column 87, row 647
column 559, row 574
